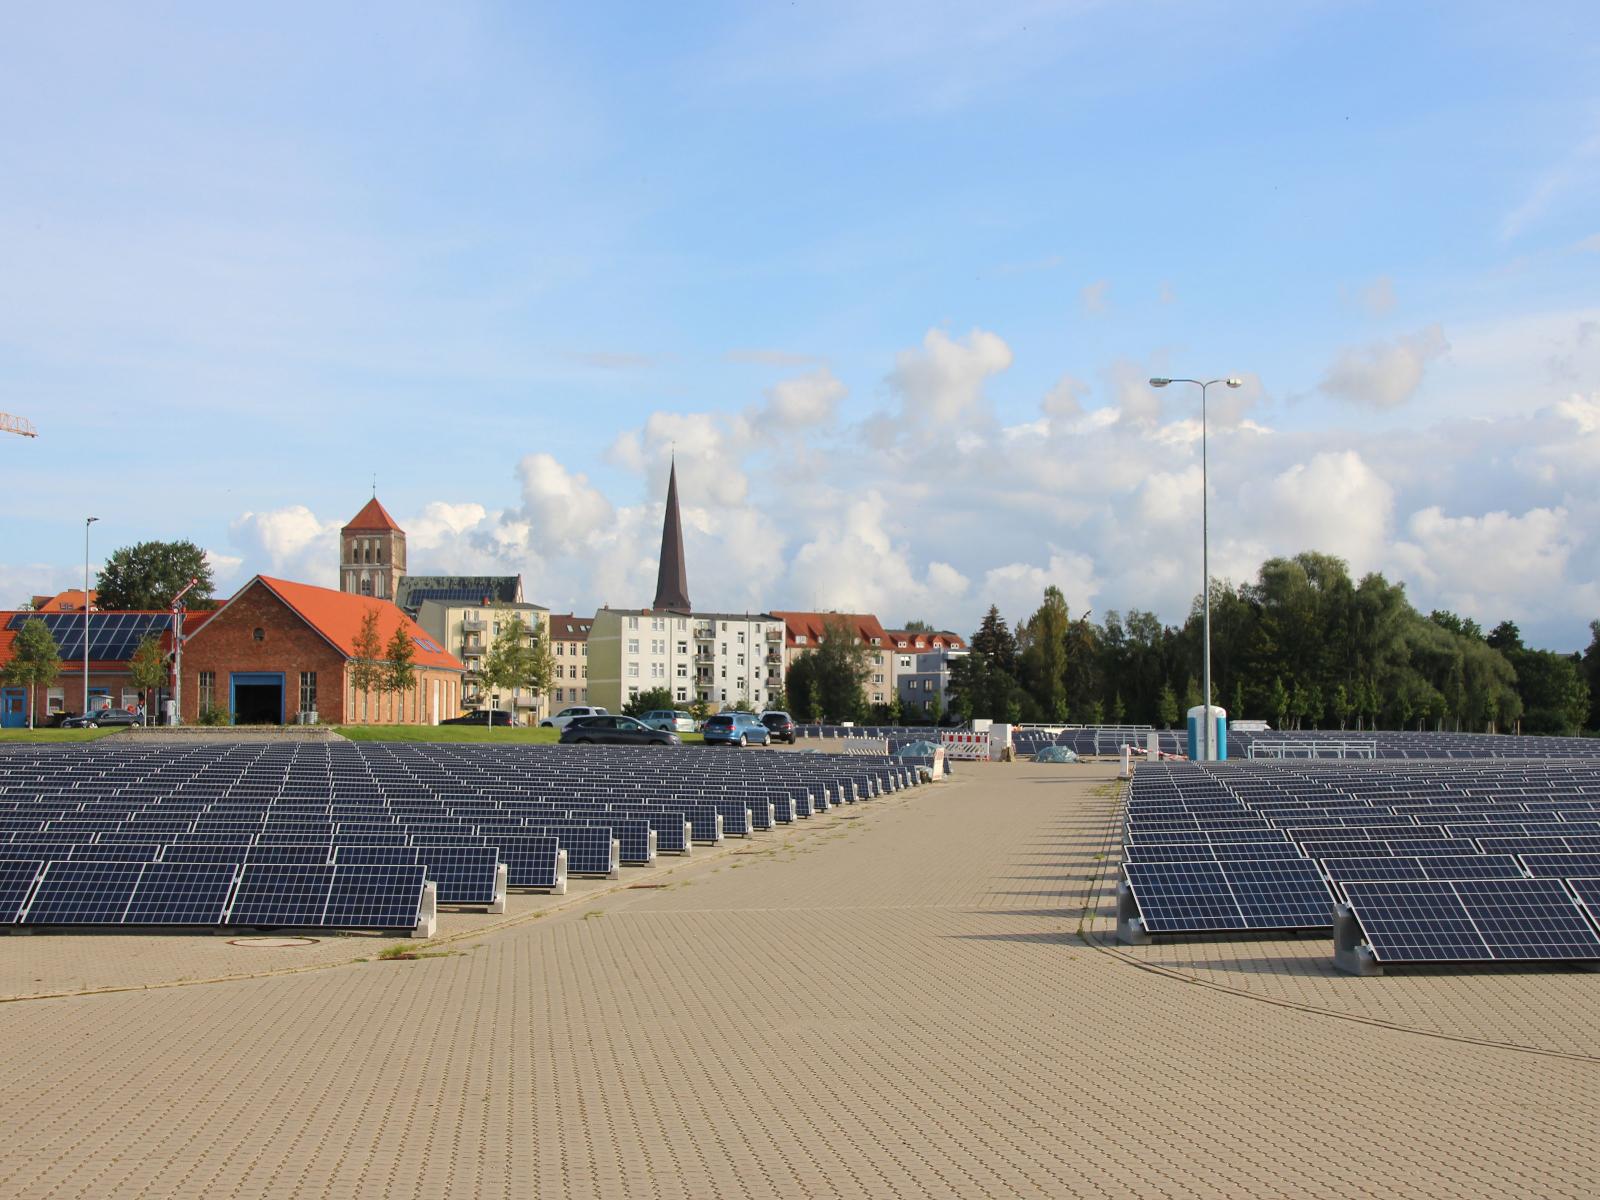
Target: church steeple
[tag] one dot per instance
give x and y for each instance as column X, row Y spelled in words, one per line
column 672, row 578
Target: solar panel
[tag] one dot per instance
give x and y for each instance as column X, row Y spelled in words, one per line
column 463, row 874
column 530, row 860
column 1280, row 894
column 112, row 636
column 1562, row 866
column 1471, row 921
column 181, row 894
column 281, row 895
column 16, row 881
column 375, row 896
column 83, row 893
column 1183, row 897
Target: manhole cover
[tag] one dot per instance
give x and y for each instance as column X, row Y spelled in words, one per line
column 272, row 943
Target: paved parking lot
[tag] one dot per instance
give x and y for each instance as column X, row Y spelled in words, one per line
column 915, row 997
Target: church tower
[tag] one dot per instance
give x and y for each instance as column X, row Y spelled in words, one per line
column 372, row 553
column 672, row 577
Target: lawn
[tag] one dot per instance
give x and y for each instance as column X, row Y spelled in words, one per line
column 54, row 735
column 462, row 733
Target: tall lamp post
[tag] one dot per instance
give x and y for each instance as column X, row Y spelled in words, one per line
column 87, row 521
column 1208, row 752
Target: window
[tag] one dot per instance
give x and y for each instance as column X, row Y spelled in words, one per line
column 258, row 633
column 208, row 689
column 799, row 639
column 632, row 692
column 658, row 646
column 633, row 645
column 561, row 648
column 724, row 671
column 741, row 639
column 586, row 649
column 55, row 700
column 658, row 624
column 366, row 587
column 741, row 660
column 633, row 670
column 683, row 694
column 724, row 627
column 658, row 670
column 877, row 679
column 683, row 647
column 905, row 662
column 561, row 671
column 633, row 622
column 560, row 695
column 308, row 691
column 683, row 672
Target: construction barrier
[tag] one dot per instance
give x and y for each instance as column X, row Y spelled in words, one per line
column 962, row 745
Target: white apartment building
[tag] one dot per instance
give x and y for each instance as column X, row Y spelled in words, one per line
column 719, row 658
column 467, row 630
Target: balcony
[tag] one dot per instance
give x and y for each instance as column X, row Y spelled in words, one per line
column 774, row 657
column 775, row 635
column 705, row 656
column 705, row 633
column 473, row 624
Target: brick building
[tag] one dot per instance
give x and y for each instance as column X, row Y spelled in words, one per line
column 278, row 648
column 372, row 553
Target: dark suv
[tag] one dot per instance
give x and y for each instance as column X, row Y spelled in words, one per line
column 483, row 716
column 780, row 725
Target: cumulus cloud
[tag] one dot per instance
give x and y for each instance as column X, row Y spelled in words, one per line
column 943, row 381
column 1497, row 564
column 1384, row 374
column 808, row 400
column 1065, row 398
column 854, row 563
column 1335, row 503
column 292, row 542
column 1018, row 588
column 561, row 507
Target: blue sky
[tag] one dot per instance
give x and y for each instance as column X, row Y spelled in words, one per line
column 889, row 277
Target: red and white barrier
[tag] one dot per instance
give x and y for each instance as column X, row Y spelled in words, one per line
column 962, row 745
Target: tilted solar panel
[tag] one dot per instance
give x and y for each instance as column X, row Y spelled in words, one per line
column 17, row 876
column 83, row 893
column 1562, row 866
column 1471, row 921
column 181, row 894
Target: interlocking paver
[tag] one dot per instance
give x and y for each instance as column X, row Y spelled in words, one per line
column 895, row 1003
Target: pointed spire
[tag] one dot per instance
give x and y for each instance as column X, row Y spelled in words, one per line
column 672, row 579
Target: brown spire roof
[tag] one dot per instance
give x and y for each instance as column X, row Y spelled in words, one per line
column 672, row 579
column 374, row 518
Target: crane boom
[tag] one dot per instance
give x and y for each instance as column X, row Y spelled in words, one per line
column 20, row 426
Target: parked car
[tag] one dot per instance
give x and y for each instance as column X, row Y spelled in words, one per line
column 673, row 720
column 482, row 716
column 607, row 730
column 780, row 725
column 572, row 713
column 103, row 718
column 735, row 729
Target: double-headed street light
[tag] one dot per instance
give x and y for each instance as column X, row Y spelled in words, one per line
column 1208, row 750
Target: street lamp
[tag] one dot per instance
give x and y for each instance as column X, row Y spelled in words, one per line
column 87, row 521
column 1208, row 751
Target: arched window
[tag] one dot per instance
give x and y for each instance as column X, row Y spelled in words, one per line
column 366, row 587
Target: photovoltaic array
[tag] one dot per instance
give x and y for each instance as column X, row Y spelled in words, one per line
column 1448, row 861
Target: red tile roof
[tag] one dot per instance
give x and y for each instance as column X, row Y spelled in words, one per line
column 813, row 626
column 568, row 627
column 337, row 617
column 374, row 518
column 923, row 641
column 70, row 600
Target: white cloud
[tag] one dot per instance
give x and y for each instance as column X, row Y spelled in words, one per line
column 1096, row 297
column 1018, row 588
column 943, row 381
column 853, row 563
column 1384, row 374
column 1335, row 503
column 808, row 400
column 1065, row 398
column 1498, row 564
column 291, row 542
column 561, row 507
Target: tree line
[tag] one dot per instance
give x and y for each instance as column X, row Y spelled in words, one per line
column 1304, row 646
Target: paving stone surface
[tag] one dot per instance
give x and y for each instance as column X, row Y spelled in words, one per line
column 892, row 1001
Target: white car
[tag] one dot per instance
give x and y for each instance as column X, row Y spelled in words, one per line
column 560, row 720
